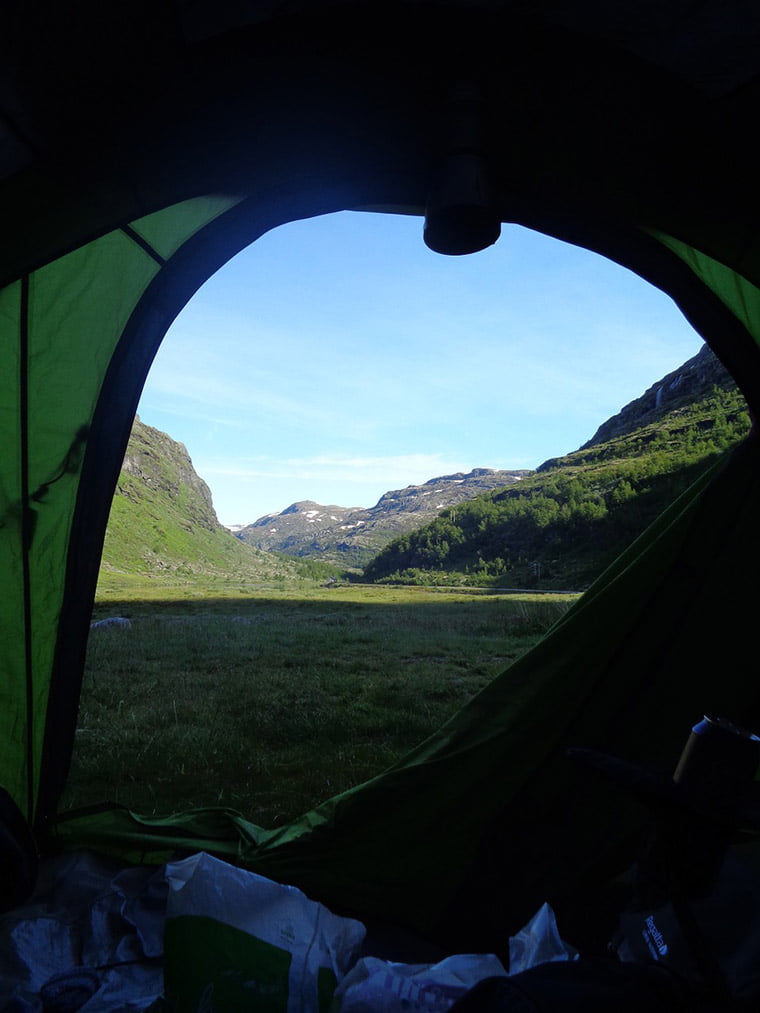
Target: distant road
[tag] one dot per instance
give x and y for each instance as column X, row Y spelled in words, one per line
column 470, row 589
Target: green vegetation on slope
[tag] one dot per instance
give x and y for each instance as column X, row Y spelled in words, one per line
column 562, row 526
column 163, row 526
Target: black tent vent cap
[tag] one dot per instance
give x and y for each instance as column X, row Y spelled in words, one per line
column 461, row 215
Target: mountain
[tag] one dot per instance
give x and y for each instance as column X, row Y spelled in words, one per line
column 564, row 524
column 163, row 524
column 692, row 382
column 556, row 527
column 351, row 536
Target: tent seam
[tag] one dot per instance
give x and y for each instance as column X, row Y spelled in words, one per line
column 26, row 535
column 143, row 244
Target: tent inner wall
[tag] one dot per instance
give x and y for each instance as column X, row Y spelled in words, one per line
column 86, row 327
column 79, row 312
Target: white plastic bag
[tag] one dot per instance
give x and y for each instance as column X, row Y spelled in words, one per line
column 381, row 986
column 237, row 941
column 538, row 942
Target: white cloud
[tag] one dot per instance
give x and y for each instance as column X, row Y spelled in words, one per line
column 406, row 469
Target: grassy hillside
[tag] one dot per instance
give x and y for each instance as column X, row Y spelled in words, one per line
column 163, row 526
column 561, row 527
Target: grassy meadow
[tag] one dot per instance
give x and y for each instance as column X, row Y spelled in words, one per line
column 270, row 700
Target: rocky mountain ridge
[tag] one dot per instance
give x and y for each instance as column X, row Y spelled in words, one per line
column 162, row 464
column 352, row 535
column 690, row 382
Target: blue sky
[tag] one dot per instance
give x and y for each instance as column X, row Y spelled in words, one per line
column 337, row 358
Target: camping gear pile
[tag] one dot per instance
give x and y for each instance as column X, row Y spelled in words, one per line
column 198, row 933
column 142, row 145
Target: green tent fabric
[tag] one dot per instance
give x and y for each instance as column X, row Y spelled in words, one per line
column 142, row 147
